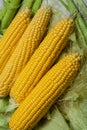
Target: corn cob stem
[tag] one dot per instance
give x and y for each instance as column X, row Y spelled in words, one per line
column 24, row 50
column 42, row 59
column 12, row 35
column 50, row 87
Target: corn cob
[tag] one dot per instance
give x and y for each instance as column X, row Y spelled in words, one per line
column 42, row 59
column 50, row 87
column 12, row 35
column 25, row 48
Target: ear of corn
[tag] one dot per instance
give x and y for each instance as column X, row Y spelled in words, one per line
column 25, row 48
column 12, row 35
column 42, row 59
column 50, row 87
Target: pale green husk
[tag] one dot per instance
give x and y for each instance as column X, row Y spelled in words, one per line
column 54, row 120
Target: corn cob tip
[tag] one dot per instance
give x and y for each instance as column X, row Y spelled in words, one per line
column 76, row 60
column 71, row 20
column 26, row 12
column 71, row 23
column 47, row 8
column 77, row 56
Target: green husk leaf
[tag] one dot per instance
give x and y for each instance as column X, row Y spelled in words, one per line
column 3, row 121
column 82, row 9
column 3, row 104
column 3, row 11
column 26, row 4
column 64, row 3
column 82, row 26
column 12, row 8
column 71, row 6
column 73, row 37
column 36, row 6
column 1, row 128
column 6, row 111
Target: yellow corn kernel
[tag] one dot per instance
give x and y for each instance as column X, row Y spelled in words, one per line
column 12, row 35
column 29, row 41
column 42, row 97
column 42, row 59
